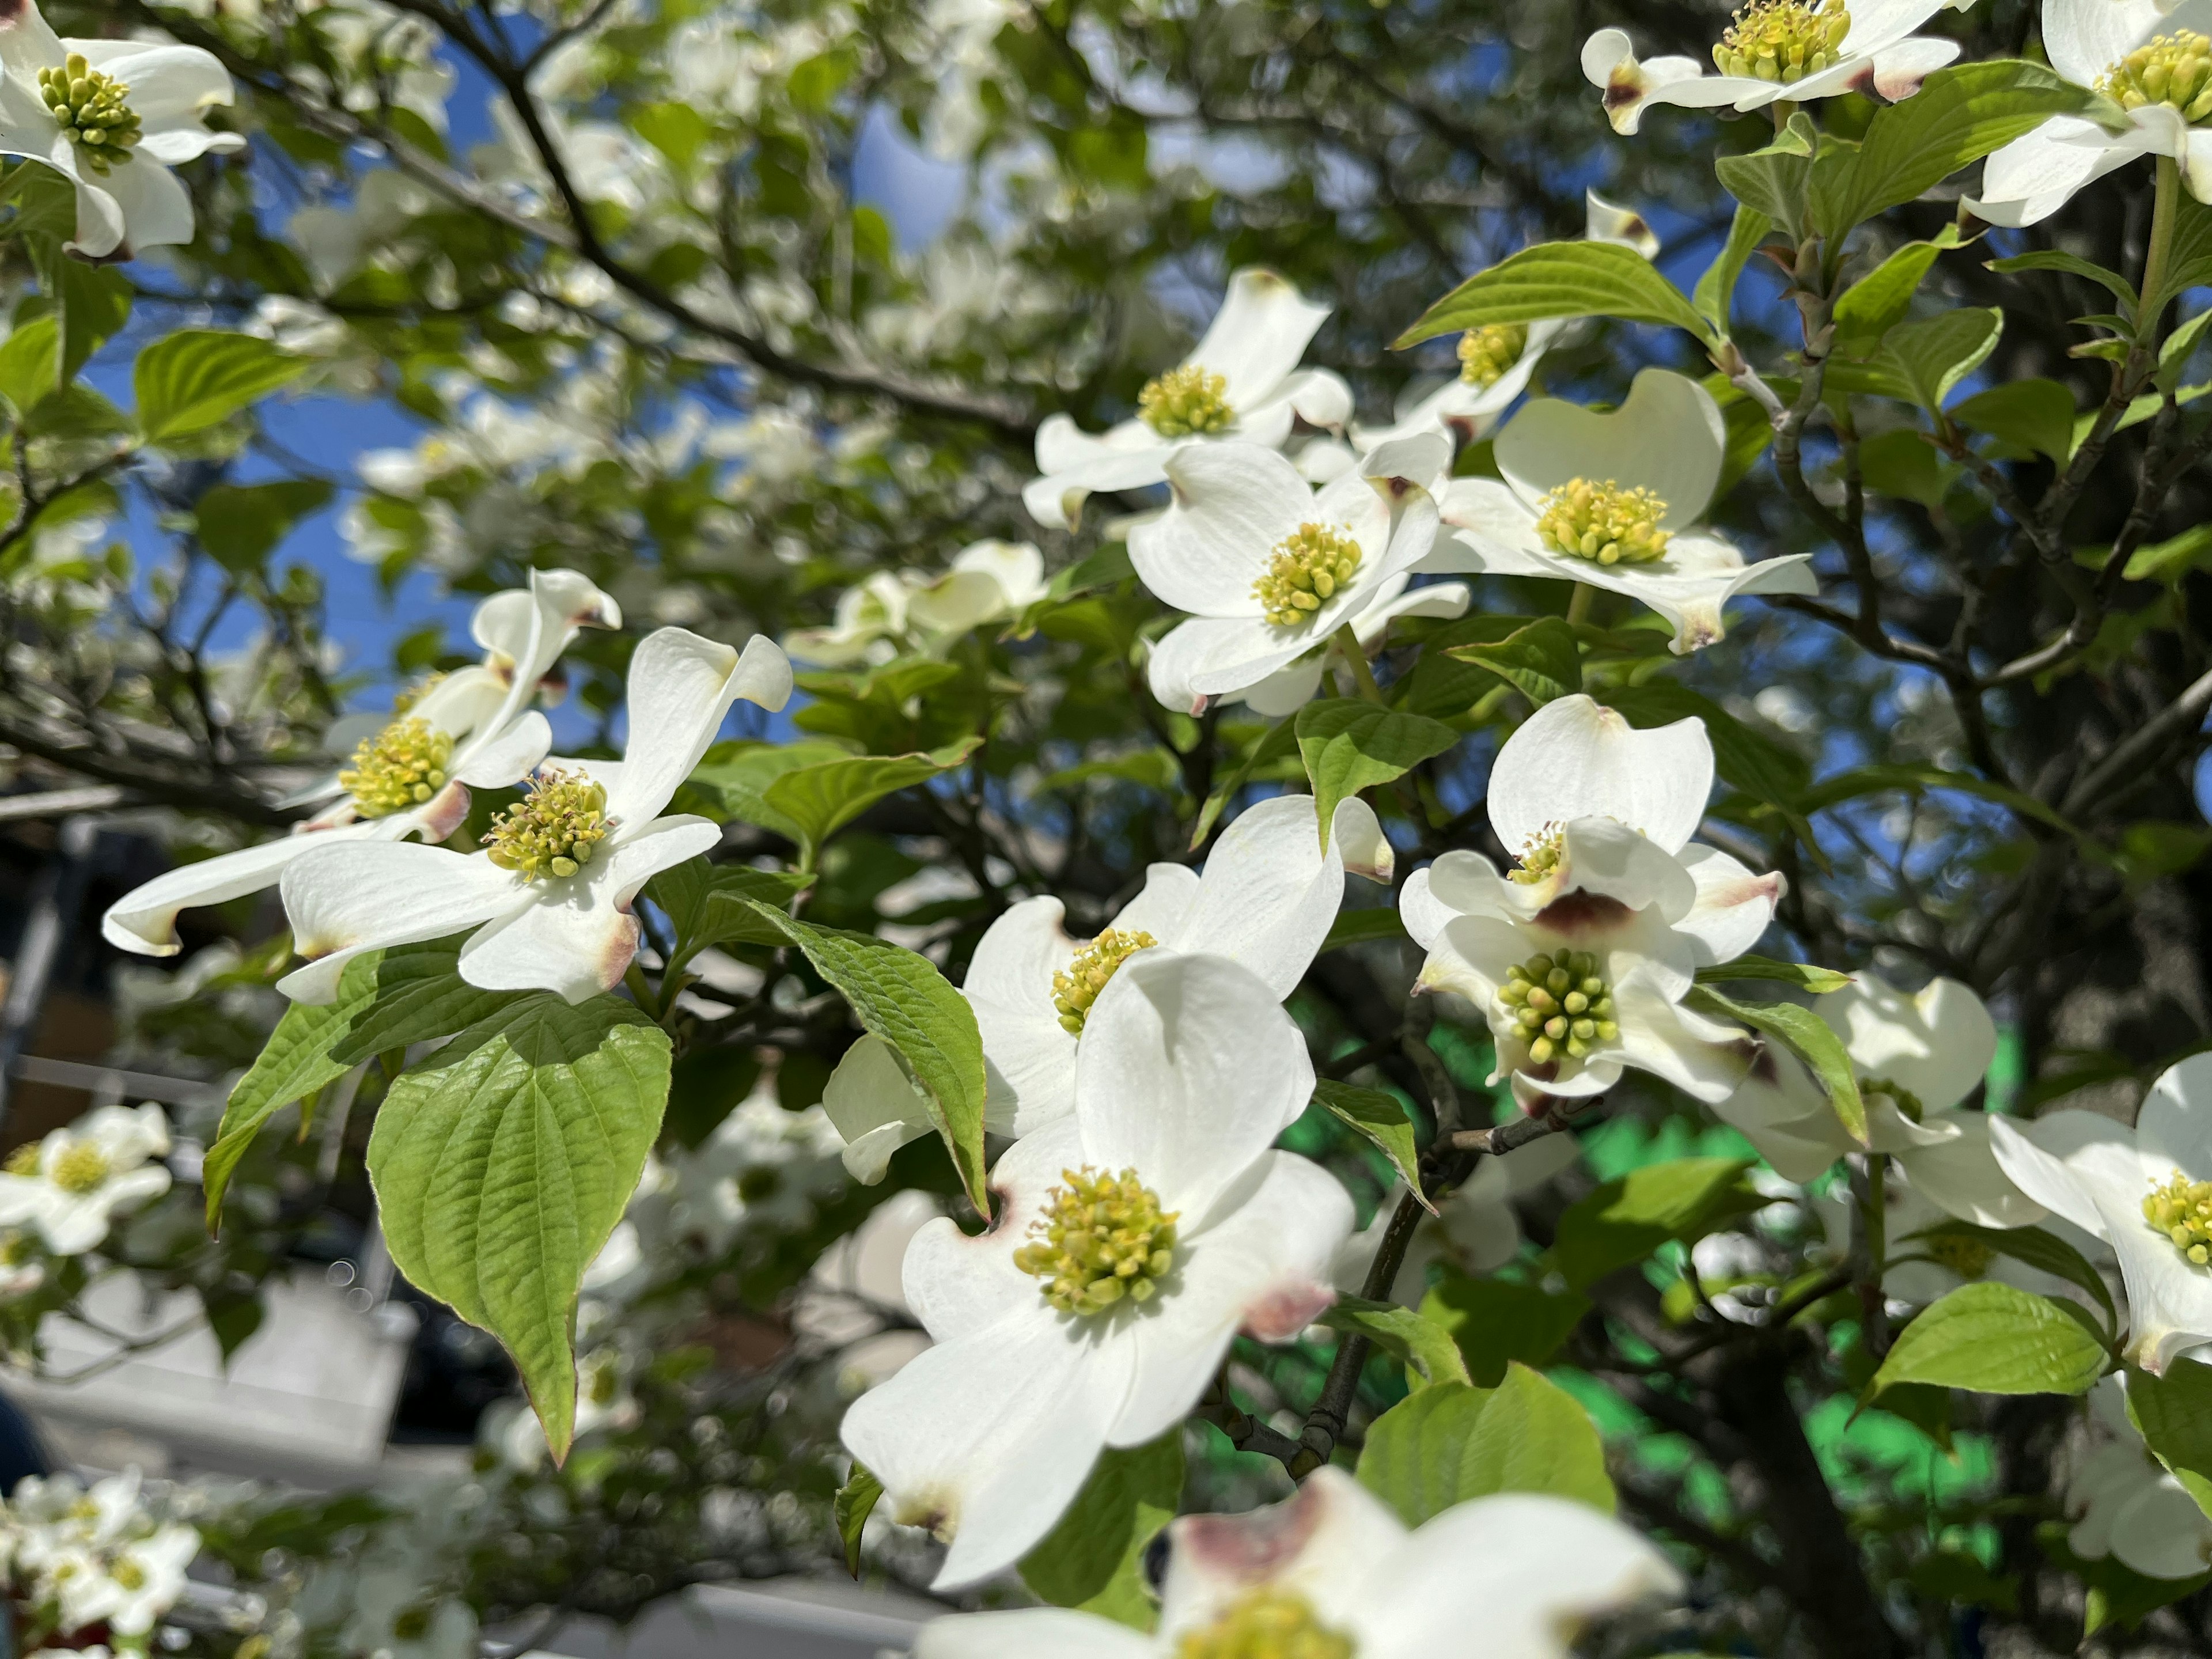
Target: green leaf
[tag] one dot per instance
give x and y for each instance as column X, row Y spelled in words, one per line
column 1802, row 975
column 1809, row 1036
column 198, row 377
column 1771, row 182
column 823, row 798
column 1902, row 463
column 503, row 1163
column 1541, row 661
column 901, row 998
column 1448, row 1444
column 2046, row 1251
column 1877, row 302
column 1275, row 742
column 1993, row 1339
column 420, row 996
column 1928, row 357
column 1349, row 746
column 740, row 773
column 1873, row 780
column 2034, row 416
column 292, row 1065
column 1496, row 1320
column 1716, row 290
column 1426, row 1348
column 1561, row 279
column 30, row 366
column 1379, row 1116
column 1959, row 116
column 2174, row 558
column 241, row 525
column 95, row 301
column 1632, row 1215
column 1364, row 925
column 2074, row 265
column 850, row 1509
column 707, row 904
column 2174, row 1412
column 1094, row 1558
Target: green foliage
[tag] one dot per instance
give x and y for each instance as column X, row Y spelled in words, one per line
column 1541, row 661
column 1425, row 1349
column 1378, row 1116
column 1809, row 1036
column 1349, row 746
column 1627, row 1217
column 503, row 1164
column 1448, row 1443
column 198, row 377
column 1993, row 1339
column 820, row 799
column 1499, row 1321
column 1095, row 1557
column 1561, row 279
column 855, row 1502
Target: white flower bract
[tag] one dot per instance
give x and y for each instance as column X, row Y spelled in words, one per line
column 70, row 1187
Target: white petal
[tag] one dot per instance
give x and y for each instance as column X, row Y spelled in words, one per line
column 2056, row 1160
column 1187, row 1071
column 989, row 1438
column 1056, row 500
column 1498, row 532
column 504, row 758
column 960, row 1282
column 1257, row 336
column 28, row 43
column 1961, row 1175
column 875, row 1106
column 1269, row 895
column 1233, row 503
column 1209, row 657
column 1667, row 436
column 2175, row 1124
column 1899, row 69
column 1574, row 758
column 1323, row 1544
column 1062, row 1632
column 1733, row 907
column 1701, row 1058
column 1264, row 1263
column 2169, row 1297
column 1609, row 221
column 1162, row 906
column 144, row 919
column 365, row 894
column 1277, row 696
column 2084, row 39
column 1786, row 1114
column 1536, row 1567
column 681, row 687
column 2027, row 180
column 167, row 83
column 1029, row 1058
column 1609, row 63
column 2161, row 1533
column 1937, row 1044
column 1601, row 856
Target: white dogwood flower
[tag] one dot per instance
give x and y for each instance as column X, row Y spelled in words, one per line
column 1241, row 383
column 2153, row 60
column 1475, row 1229
column 1333, row 1573
column 1132, row 1241
column 70, row 1186
column 1778, row 51
column 1916, row 1057
column 1496, row 360
column 2145, row 1191
column 2125, row 1502
column 988, row 582
column 1268, row 568
column 1268, row 897
column 411, row 771
column 1288, row 689
column 112, row 117
column 1613, row 499
column 550, row 895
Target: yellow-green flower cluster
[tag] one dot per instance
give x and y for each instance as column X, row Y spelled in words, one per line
column 1486, row 353
column 1076, row 986
column 93, row 111
column 1267, row 1623
column 1102, row 1237
column 1309, row 566
column 1782, row 40
column 2181, row 1210
column 402, row 766
column 552, row 830
column 1602, row 522
column 1186, row 402
column 1560, row 1003
column 80, row 1167
column 1540, row 858
column 2172, row 68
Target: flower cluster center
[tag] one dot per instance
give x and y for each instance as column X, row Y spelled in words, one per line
column 1309, row 566
column 1540, row 857
column 551, row 830
column 80, row 1167
column 1267, row 1623
column 128, row 1574
column 1076, row 986
column 93, row 111
column 1187, row 403
column 1101, row 1237
column 1560, row 1005
column 402, row 766
column 1486, row 353
column 2181, row 1210
column 414, row 693
column 1782, row 40
column 1602, row 522
column 2171, row 69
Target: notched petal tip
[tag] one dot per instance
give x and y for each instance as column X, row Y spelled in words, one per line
column 1285, row 1309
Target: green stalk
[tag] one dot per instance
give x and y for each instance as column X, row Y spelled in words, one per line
column 1578, row 607
column 1355, row 657
column 2165, row 206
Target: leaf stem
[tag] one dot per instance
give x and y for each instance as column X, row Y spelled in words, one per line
column 1355, row 657
column 1578, row 607
column 2165, row 206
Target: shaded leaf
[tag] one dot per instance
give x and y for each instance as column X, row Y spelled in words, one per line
column 1094, row 1558
column 1377, row 1115
column 1448, row 1444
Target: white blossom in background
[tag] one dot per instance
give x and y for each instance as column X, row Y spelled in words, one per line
column 1269, row 894
column 2122, row 1501
column 1613, row 499
column 411, row 771
column 112, row 117
column 70, row 1188
column 1332, row 1572
column 988, row 582
column 1269, row 569
column 2153, row 61
column 1922, row 1269
column 1050, row 1344
column 1496, row 360
column 1778, row 51
column 854, row 1301
column 76, row 1558
column 550, row 895
column 1475, row 1229
column 2146, row 1191
column 1916, row 1057
column 1241, row 383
